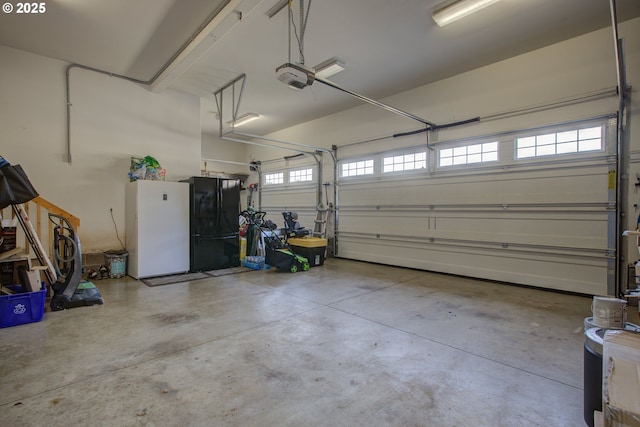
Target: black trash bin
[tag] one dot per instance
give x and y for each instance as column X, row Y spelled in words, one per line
column 594, row 340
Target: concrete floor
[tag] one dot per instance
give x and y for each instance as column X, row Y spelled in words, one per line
column 345, row 344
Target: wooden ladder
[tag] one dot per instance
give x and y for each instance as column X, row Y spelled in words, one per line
column 32, row 237
column 34, row 232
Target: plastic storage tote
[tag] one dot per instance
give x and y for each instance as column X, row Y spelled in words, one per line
column 21, row 308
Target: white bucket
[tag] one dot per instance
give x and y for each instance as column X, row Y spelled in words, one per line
column 609, row 312
column 589, row 323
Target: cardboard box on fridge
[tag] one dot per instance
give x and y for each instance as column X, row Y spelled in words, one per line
column 621, row 379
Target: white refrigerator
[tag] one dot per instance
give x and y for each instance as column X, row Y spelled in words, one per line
column 157, row 228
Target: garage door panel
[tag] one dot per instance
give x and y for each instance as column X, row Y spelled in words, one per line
column 401, row 223
column 558, row 232
column 586, row 229
column 357, row 195
column 298, row 196
column 575, row 274
column 585, row 188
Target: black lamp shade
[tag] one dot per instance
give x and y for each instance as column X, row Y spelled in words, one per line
column 15, row 187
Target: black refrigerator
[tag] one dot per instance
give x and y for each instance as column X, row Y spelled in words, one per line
column 214, row 208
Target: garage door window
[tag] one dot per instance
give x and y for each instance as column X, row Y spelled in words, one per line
column 301, row 175
column 405, row 162
column 361, row 167
column 556, row 143
column 274, row 178
column 466, row 154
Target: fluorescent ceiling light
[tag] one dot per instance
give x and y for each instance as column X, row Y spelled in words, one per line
column 243, row 120
column 329, row 67
column 458, row 10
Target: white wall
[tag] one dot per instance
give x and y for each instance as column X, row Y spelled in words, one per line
column 214, row 148
column 111, row 120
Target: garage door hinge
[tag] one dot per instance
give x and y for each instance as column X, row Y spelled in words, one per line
column 611, row 205
column 611, row 253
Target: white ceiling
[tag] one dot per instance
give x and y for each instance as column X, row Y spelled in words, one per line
column 388, row 46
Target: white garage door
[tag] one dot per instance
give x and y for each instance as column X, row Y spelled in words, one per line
column 290, row 185
column 532, row 207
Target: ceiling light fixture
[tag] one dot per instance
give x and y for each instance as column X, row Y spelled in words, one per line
column 244, row 119
column 329, row 67
column 458, row 10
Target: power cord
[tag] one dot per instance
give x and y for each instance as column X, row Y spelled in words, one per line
column 303, row 24
column 116, row 227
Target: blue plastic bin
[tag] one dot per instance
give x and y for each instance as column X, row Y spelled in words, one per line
column 21, row 308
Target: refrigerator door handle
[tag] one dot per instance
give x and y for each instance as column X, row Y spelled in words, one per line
column 220, row 212
column 220, row 237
